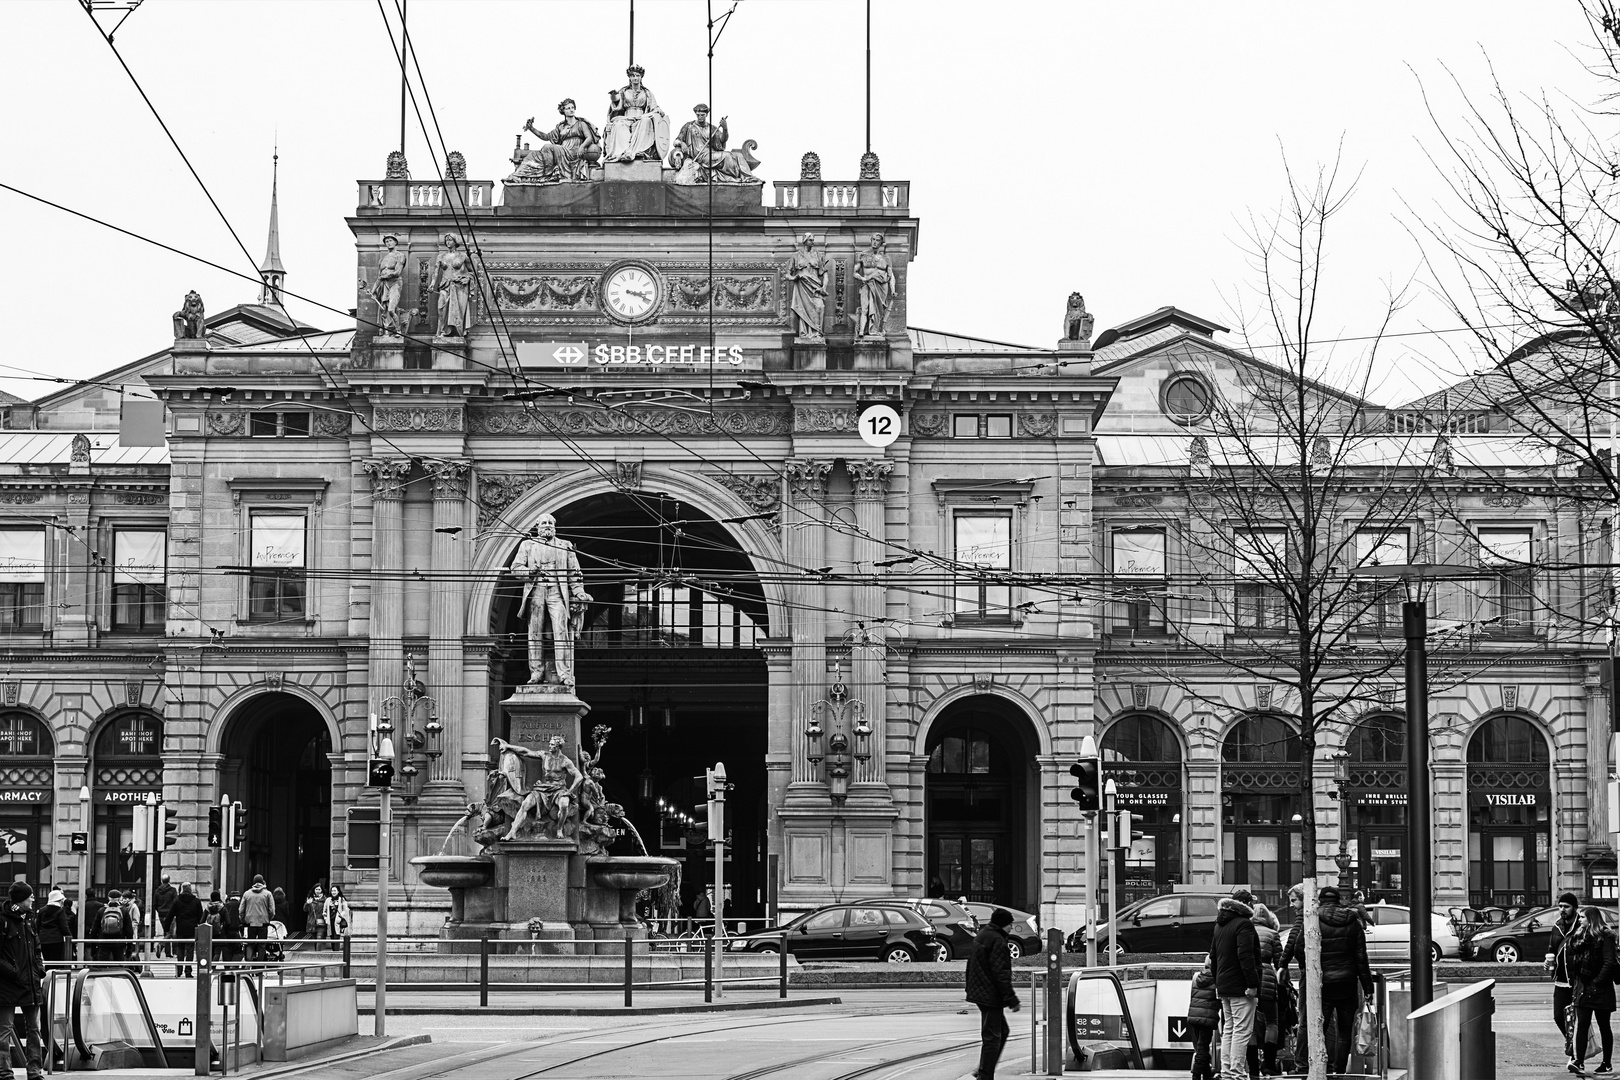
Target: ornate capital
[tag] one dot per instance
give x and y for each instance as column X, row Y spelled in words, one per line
column 870, row 478
column 449, row 478
column 387, row 476
column 807, row 478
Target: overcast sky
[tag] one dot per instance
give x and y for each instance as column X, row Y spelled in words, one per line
column 1112, row 148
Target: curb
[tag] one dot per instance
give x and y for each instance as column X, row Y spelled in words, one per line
column 288, row 1068
column 457, row 1009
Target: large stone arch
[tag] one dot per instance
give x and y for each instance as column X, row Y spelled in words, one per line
column 1176, row 730
column 1032, row 714
column 227, row 710
column 1536, row 722
column 558, row 492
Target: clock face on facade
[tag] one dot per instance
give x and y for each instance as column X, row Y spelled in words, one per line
column 630, row 293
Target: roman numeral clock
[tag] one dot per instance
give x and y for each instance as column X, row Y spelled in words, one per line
column 631, row 292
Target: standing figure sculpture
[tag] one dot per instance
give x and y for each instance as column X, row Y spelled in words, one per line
column 554, row 591
column 565, row 153
column 699, row 154
column 875, row 277
column 188, row 321
column 636, row 127
column 452, row 278
column 552, row 798
column 386, row 290
column 807, row 289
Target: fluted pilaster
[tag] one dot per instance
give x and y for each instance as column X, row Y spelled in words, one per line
column 447, row 608
column 870, row 482
column 386, row 632
column 807, row 547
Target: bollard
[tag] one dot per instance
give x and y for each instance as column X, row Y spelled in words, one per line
column 347, row 958
column 1034, row 1021
column 781, row 969
column 205, row 1004
column 1054, row 1002
column 483, row 970
column 629, row 972
column 708, row 970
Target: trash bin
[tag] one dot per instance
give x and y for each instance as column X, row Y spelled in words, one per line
column 1451, row 1037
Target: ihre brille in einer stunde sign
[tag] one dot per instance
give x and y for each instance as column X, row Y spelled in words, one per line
column 579, row 354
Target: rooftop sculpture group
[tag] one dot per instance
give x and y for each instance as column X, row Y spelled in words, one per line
column 637, row 129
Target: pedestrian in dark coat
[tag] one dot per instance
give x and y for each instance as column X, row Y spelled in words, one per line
column 1592, row 970
column 1235, row 954
column 54, row 929
column 1203, row 1016
column 22, row 976
column 1344, row 966
column 989, row 986
column 163, row 904
column 1559, row 938
column 283, row 908
column 1263, row 1047
column 187, row 915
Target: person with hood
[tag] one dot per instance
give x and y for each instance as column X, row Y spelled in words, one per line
column 233, row 926
column 1592, row 970
column 187, row 915
column 1235, row 955
column 163, row 904
column 989, row 986
column 1557, row 961
column 1203, row 1016
column 1267, row 1034
column 258, row 911
column 1344, row 966
column 54, row 929
column 283, row 908
column 22, row 976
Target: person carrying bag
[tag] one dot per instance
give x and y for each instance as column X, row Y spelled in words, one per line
column 1592, row 971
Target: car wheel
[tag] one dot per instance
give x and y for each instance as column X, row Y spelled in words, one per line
column 1506, row 953
column 1015, row 949
column 772, row 949
column 942, row 952
column 898, row 954
column 1434, row 953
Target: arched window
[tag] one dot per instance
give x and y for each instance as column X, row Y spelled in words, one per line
column 1140, row 737
column 1380, row 738
column 1261, row 738
column 1142, row 757
column 128, row 770
column 22, row 735
column 1508, row 740
column 130, row 735
column 963, row 753
column 1510, row 802
column 27, row 779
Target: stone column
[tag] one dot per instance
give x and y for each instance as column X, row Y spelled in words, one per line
column 870, row 480
column 387, row 625
column 447, row 607
column 1597, row 765
column 806, row 546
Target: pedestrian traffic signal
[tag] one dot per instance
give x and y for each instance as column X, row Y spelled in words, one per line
column 1126, row 831
column 238, row 826
column 380, row 773
column 1087, row 773
column 168, row 828
column 216, row 827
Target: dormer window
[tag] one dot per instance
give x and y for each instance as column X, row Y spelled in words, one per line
column 1186, row 398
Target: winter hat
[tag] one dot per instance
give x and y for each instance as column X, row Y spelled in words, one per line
column 1329, row 895
column 56, row 897
column 258, row 879
column 1569, row 898
column 20, row 891
column 1001, row 917
column 1242, row 895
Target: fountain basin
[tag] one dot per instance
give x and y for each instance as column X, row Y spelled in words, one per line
column 630, row 873
column 455, row 871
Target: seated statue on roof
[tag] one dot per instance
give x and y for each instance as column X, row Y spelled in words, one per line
column 636, row 127
column 699, row 154
column 188, row 321
column 566, row 153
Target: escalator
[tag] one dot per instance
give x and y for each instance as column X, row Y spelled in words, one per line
column 111, row 1019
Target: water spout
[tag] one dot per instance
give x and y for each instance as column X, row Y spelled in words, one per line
column 444, row 849
column 627, row 823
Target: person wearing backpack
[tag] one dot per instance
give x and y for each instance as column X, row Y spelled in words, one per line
column 1592, row 971
column 113, row 927
column 22, row 977
column 214, row 915
column 187, row 914
column 1203, row 1016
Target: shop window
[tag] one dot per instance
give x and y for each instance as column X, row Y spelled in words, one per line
column 138, row 598
column 984, row 540
column 22, row 579
column 27, row 774
column 1139, row 579
column 1509, row 594
column 277, row 583
column 1140, row 738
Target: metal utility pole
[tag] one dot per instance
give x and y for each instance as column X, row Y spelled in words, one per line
column 868, row 76
column 1414, row 615
column 380, row 774
column 149, row 835
column 404, row 50
column 1111, row 796
column 84, row 866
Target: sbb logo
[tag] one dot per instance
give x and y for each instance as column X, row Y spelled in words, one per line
column 568, row 354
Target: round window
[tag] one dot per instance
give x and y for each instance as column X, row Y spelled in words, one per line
column 1186, row 398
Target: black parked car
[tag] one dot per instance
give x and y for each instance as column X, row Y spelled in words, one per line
column 1524, row 938
column 1172, row 923
column 954, row 924
column 858, row 931
column 1023, row 936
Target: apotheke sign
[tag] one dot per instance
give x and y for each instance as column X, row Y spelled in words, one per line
column 584, row 354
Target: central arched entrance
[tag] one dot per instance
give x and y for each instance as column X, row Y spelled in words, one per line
column 980, row 803
column 276, row 748
column 669, row 660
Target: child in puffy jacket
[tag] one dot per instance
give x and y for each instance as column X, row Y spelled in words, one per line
column 1203, row 1016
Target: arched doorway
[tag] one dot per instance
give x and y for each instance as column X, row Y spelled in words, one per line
column 669, row 659
column 979, row 795
column 1261, row 803
column 1142, row 755
column 276, row 765
column 1375, row 803
column 1509, row 815
column 126, row 769
column 27, row 782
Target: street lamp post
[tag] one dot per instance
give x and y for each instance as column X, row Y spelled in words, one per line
column 84, row 865
column 1341, row 781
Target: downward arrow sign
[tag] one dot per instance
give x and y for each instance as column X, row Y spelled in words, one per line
column 1178, row 1031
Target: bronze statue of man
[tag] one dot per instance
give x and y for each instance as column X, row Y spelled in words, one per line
column 554, row 592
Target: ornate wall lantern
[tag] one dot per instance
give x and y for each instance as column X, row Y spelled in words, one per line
column 838, row 766
column 863, row 738
column 812, row 738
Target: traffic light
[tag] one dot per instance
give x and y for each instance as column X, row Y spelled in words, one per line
column 141, row 828
column 238, row 826
column 1087, row 773
column 380, row 773
column 714, row 781
column 216, row 827
column 1125, row 829
column 168, row 828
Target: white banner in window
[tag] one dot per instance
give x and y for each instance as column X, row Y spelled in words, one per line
column 1375, row 547
column 1260, row 554
column 137, row 558
column 278, row 541
column 984, row 540
column 22, row 555
column 1139, row 552
column 1509, row 547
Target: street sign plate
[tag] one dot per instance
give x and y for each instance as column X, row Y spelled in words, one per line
column 1093, row 1026
column 1179, row 1029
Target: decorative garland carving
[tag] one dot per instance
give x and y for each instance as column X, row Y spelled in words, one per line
column 1510, row 501
column 762, row 492
column 1138, row 500
column 497, row 491
column 225, row 423
column 732, row 293
column 824, row 418
column 502, row 420
column 136, row 498
column 1037, row 425
column 416, row 418
column 333, row 425
column 928, row 424
column 553, row 293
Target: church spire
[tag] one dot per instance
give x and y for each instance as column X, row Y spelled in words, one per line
column 271, row 272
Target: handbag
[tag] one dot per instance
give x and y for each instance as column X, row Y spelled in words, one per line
column 1365, row 1037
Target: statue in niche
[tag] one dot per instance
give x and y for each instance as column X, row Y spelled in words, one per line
column 699, row 155
column 452, row 280
column 551, row 805
column 565, row 154
column 188, row 321
column 807, row 281
column 1077, row 321
column 637, row 128
column 554, row 592
column 874, row 276
column 386, row 290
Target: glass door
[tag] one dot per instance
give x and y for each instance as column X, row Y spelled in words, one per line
column 1380, row 873
column 972, row 866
